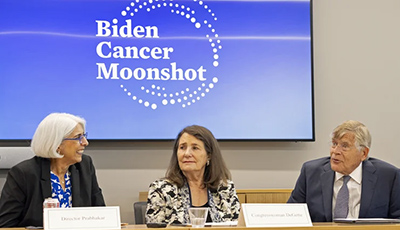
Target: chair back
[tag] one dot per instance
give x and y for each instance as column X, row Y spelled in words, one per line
column 139, row 209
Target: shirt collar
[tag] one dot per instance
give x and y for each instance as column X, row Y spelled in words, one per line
column 356, row 175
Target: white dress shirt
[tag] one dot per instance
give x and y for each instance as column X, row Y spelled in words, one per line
column 354, row 186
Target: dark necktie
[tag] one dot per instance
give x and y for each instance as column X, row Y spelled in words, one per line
column 342, row 200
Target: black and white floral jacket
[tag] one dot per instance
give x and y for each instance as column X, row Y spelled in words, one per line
column 169, row 204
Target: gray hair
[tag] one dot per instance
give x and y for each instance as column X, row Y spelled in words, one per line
column 360, row 131
column 51, row 131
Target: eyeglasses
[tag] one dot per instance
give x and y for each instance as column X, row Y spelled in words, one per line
column 79, row 138
column 341, row 146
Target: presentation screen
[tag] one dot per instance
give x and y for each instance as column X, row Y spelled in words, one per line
column 143, row 70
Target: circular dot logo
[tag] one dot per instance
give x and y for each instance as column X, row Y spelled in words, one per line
column 173, row 55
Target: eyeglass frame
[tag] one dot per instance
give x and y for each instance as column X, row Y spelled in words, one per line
column 335, row 144
column 77, row 138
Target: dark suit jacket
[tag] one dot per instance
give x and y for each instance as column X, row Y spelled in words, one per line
column 28, row 184
column 380, row 189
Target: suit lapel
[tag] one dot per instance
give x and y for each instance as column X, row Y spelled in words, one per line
column 213, row 208
column 45, row 178
column 327, row 190
column 368, row 184
column 76, row 201
column 184, row 196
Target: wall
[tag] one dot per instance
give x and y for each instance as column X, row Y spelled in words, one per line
column 357, row 70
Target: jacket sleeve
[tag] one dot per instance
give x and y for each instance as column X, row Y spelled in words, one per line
column 13, row 199
column 394, row 211
column 234, row 203
column 225, row 204
column 96, row 194
column 299, row 192
column 156, row 204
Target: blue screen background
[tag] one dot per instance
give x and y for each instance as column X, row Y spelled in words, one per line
column 264, row 74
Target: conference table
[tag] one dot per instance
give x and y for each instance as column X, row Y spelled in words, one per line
column 316, row 226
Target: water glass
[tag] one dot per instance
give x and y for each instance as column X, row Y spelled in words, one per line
column 198, row 217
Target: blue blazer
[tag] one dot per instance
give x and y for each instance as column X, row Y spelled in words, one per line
column 380, row 189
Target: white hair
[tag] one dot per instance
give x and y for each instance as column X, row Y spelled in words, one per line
column 51, row 131
column 360, row 131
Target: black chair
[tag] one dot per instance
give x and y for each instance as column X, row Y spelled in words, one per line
column 139, row 209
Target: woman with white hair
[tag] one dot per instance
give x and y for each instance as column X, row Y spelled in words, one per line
column 59, row 170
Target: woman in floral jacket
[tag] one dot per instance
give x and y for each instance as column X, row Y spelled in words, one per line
column 196, row 177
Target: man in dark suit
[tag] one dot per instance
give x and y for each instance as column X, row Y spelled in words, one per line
column 373, row 187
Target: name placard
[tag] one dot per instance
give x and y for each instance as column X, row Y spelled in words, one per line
column 276, row 215
column 99, row 218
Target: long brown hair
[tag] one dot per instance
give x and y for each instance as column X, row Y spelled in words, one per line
column 214, row 172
